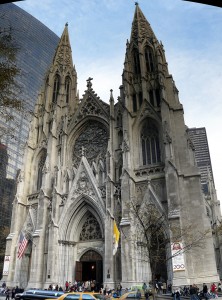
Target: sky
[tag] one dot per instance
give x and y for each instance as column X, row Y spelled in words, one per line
column 190, row 33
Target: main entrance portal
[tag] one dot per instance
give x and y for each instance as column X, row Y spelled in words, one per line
column 90, row 267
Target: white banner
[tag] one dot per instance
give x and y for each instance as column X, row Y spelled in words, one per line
column 177, row 257
column 6, row 265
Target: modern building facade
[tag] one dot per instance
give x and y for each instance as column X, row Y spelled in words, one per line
column 36, row 44
column 7, row 193
column 198, row 137
column 88, row 162
column 199, row 140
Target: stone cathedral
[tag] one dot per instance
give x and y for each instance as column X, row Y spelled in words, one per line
column 87, row 160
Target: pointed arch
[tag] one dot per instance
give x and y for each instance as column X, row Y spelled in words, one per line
column 120, row 138
column 155, row 97
column 46, row 89
column 140, row 95
column 136, row 61
column 75, row 216
column 56, row 87
column 150, row 144
column 41, row 163
column 149, row 58
column 67, row 88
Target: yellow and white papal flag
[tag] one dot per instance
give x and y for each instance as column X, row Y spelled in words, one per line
column 116, row 235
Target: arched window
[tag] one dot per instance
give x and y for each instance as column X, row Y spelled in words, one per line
column 136, row 61
column 154, row 96
column 157, row 94
column 40, row 168
column 119, row 119
column 67, row 88
column 120, row 138
column 46, row 89
column 56, row 87
column 151, row 97
column 150, row 143
column 140, row 98
column 134, row 103
column 90, row 229
column 149, row 58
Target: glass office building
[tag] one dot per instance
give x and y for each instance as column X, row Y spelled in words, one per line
column 202, row 154
column 37, row 45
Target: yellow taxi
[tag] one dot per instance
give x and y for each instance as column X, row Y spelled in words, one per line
column 130, row 295
column 80, row 296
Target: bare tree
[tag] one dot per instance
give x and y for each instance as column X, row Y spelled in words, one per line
column 155, row 233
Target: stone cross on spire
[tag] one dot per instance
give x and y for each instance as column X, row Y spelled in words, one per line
column 89, row 83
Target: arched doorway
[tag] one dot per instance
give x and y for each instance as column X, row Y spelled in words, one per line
column 90, row 267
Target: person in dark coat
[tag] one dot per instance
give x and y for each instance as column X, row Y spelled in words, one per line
column 146, row 294
column 13, row 293
column 7, row 293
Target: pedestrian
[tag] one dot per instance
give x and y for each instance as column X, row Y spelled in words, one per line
column 3, row 286
column 213, row 290
column 13, row 293
column 157, row 287
column 7, row 293
column 193, row 292
column 169, row 288
column 160, row 287
column 164, row 287
column 146, row 294
column 144, row 287
column 119, row 289
column 205, row 291
column 138, row 294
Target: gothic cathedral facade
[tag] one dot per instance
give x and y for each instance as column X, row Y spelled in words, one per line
column 87, row 162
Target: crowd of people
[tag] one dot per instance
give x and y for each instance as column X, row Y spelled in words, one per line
column 196, row 293
column 85, row 286
column 10, row 292
column 192, row 291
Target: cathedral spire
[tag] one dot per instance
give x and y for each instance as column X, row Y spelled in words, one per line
column 145, row 65
column 141, row 28
column 63, row 55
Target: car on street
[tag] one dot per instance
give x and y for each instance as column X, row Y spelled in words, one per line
column 81, row 296
column 35, row 294
column 129, row 295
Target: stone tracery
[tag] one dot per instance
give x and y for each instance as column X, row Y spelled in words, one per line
column 90, row 230
column 94, row 139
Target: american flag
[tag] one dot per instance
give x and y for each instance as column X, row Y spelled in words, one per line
column 23, row 242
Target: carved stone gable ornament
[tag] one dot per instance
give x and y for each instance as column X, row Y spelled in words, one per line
column 83, row 186
column 147, row 111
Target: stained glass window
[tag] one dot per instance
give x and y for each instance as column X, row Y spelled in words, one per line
column 90, row 230
column 150, row 143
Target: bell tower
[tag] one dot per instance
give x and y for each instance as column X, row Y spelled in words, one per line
column 145, row 65
column 158, row 163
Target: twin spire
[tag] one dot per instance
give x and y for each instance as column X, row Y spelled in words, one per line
column 63, row 55
column 141, row 28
